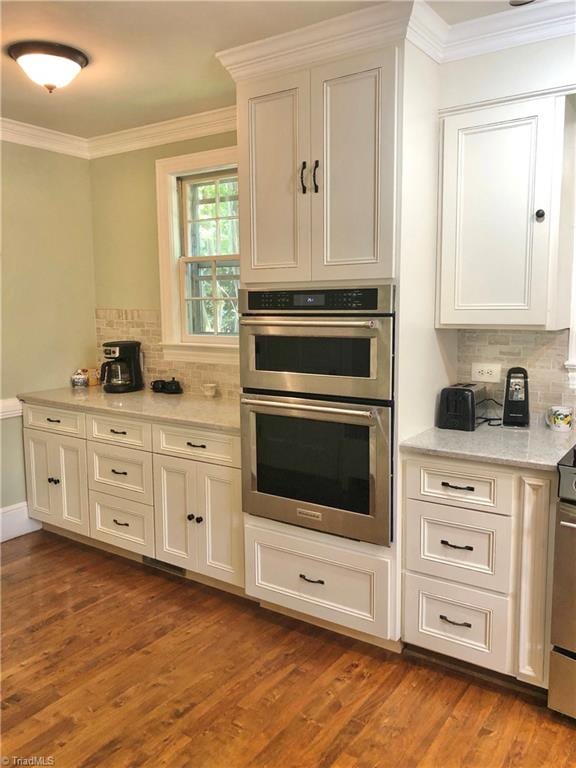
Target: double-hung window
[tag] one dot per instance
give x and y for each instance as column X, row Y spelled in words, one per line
column 209, row 267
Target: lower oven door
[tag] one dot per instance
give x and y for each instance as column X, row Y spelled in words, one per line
column 318, row 464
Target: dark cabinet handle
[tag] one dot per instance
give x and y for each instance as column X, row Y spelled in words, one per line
column 190, row 516
column 456, row 623
column 55, row 481
column 195, row 445
column 118, row 472
column 119, row 523
column 311, row 581
column 456, row 546
column 540, row 214
column 53, row 421
column 458, row 487
column 302, row 169
column 199, row 519
column 50, row 479
column 118, row 432
column 316, row 166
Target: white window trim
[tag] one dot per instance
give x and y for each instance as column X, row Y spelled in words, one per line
column 213, row 350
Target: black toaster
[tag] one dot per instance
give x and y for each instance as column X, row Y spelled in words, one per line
column 458, row 406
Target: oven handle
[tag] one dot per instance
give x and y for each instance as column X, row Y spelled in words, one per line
column 310, row 323
column 313, row 408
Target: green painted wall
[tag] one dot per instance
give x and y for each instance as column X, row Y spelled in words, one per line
column 124, row 219
column 48, row 295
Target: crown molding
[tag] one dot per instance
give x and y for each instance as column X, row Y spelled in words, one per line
column 10, row 407
column 43, row 138
column 167, row 132
column 341, row 35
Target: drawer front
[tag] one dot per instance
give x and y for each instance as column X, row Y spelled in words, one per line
column 132, row 434
column 203, row 445
column 456, row 485
column 55, row 420
column 335, row 585
column 459, row 544
column 458, row 621
column 122, row 523
column 121, row 472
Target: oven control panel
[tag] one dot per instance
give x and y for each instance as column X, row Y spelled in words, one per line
column 335, row 300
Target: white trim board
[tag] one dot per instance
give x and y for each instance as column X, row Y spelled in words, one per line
column 14, row 521
column 10, row 407
column 166, row 132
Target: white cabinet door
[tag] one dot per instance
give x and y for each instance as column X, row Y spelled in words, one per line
column 494, row 251
column 42, row 503
column 274, row 139
column 353, row 103
column 56, row 476
column 219, row 524
column 175, row 510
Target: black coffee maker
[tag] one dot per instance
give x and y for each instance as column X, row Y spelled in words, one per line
column 122, row 371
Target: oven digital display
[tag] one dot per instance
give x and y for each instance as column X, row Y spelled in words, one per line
column 309, row 300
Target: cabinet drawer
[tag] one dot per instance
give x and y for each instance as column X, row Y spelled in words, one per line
column 120, row 471
column 132, row 434
column 459, row 544
column 123, row 523
column 204, row 445
column 465, row 623
column 333, row 584
column 456, row 485
column 55, row 420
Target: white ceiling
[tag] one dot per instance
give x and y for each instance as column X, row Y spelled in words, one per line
column 153, row 61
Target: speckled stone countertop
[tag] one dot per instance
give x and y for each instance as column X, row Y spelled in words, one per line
column 538, row 447
column 213, row 413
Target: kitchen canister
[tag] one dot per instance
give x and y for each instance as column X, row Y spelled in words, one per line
column 560, row 418
column 79, row 378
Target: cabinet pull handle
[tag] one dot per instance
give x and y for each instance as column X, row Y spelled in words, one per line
column 446, row 543
column 118, row 472
column 53, row 421
column 50, row 479
column 311, row 581
column 119, row 523
column 118, row 432
column 190, row 516
column 316, row 166
column 302, row 169
column 196, row 445
column 458, row 487
column 540, row 214
column 56, row 481
column 199, row 519
column 456, row 623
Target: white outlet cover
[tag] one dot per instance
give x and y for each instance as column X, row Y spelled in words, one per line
column 486, row 372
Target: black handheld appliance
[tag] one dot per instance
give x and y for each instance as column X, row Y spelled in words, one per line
column 516, row 403
column 122, row 371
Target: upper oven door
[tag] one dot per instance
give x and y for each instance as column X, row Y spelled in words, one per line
column 347, row 357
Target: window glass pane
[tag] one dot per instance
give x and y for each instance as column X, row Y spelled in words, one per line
column 205, row 191
column 204, row 238
column 228, row 208
column 198, row 280
column 200, row 316
column 228, row 188
column 206, row 211
column 227, row 317
column 228, row 229
column 227, row 280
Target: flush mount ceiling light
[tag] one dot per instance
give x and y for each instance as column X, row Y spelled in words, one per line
column 49, row 64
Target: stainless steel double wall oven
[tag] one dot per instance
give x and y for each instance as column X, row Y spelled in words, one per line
column 316, row 370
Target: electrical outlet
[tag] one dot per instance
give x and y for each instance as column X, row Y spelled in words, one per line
column 486, row 372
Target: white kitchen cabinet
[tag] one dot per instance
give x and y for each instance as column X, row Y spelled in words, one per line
column 57, row 480
column 505, row 243
column 317, row 171
column 198, row 517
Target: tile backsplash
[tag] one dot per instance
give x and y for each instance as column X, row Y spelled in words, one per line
column 144, row 325
column 542, row 353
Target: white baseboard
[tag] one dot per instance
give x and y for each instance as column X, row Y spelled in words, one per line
column 14, row 521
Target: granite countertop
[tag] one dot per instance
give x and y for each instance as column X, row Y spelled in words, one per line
column 538, row 447
column 214, row 413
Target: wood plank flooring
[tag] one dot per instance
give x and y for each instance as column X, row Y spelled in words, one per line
column 109, row 663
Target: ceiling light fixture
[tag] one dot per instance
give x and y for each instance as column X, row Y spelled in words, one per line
column 49, row 64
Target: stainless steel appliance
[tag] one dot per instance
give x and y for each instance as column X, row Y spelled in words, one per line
column 316, row 371
column 562, row 687
column 122, row 370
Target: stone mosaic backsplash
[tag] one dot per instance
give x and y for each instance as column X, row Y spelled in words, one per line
column 542, row 353
column 144, row 325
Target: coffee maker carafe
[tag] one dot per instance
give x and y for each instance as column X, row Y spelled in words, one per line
column 122, row 371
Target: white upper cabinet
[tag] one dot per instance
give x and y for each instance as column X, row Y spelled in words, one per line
column 501, row 261
column 317, row 171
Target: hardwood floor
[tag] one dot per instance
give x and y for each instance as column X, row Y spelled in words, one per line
column 109, row 663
